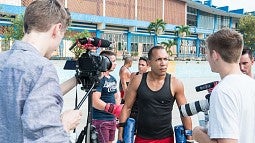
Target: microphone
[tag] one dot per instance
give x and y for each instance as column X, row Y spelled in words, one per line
column 206, row 86
column 97, row 42
column 190, row 109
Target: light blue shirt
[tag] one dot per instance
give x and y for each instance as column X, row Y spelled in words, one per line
column 30, row 97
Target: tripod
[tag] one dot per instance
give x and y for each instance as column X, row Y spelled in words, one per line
column 89, row 130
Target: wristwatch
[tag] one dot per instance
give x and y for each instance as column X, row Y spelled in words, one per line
column 188, row 132
column 121, row 124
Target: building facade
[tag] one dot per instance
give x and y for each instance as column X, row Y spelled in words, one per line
column 125, row 22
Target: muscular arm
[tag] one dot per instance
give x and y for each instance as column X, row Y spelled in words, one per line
column 132, row 75
column 117, row 98
column 97, row 102
column 129, row 101
column 124, row 78
column 178, row 92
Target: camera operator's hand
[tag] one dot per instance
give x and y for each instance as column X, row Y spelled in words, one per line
column 71, row 119
column 113, row 109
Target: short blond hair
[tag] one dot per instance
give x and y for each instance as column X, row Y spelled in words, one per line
column 40, row 15
column 228, row 43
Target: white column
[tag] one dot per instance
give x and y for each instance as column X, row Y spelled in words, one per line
column 163, row 9
column 65, row 3
column 103, row 7
column 186, row 13
column 135, row 9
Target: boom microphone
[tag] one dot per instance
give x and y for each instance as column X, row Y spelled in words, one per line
column 206, row 86
column 190, row 109
column 97, row 42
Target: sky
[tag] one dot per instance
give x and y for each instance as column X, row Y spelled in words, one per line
column 247, row 5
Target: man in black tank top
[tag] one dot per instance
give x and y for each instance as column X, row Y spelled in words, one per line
column 155, row 92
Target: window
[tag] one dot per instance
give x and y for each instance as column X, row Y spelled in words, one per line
column 191, row 16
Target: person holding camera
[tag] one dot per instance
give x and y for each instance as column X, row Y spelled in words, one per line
column 31, row 98
column 106, row 103
column 156, row 92
column 246, row 62
column 232, row 102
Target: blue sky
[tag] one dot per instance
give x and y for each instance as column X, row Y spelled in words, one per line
column 248, row 5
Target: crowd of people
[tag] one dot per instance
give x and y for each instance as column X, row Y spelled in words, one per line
column 31, row 97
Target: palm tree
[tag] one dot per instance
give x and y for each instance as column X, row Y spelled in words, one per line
column 168, row 46
column 182, row 30
column 157, row 27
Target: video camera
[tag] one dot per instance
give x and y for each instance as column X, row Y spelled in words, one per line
column 193, row 108
column 190, row 109
column 89, row 65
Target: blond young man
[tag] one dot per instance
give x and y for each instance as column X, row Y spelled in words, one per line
column 31, row 97
column 232, row 102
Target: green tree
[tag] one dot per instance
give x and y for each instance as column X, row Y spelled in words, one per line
column 247, row 28
column 158, row 26
column 134, row 53
column 182, row 30
column 78, row 49
column 168, row 46
column 14, row 31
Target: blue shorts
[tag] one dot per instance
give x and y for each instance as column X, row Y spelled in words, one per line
column 106, row 130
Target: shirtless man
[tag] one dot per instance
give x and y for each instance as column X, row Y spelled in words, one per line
column 125, row 75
